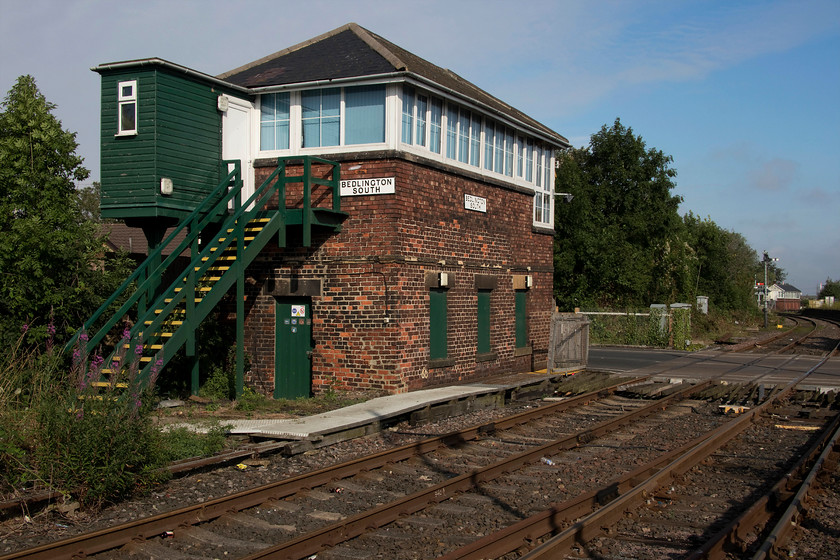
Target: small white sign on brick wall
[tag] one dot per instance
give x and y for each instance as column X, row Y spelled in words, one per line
column 476, row 203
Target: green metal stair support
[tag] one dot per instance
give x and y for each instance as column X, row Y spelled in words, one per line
column 172, row 319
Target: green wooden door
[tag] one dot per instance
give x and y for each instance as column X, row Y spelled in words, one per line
column 293, row 348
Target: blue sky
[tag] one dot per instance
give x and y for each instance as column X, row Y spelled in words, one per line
column 744, row 95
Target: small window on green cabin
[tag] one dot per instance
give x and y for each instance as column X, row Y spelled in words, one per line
column 127, row 108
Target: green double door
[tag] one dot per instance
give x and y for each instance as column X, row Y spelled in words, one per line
column 293, row 348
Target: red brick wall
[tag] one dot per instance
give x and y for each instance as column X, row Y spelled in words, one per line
column 371, row 321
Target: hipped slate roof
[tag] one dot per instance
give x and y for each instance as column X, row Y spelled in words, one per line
column 788, row 287
column 352, row 51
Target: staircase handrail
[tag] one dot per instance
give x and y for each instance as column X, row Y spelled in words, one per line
column 201, row 216
column 212, row 251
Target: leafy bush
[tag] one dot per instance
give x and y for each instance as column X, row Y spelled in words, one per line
column 250, row 400
column 102, row 446
column 183, row 443
column 97, row 439
column 220, row 384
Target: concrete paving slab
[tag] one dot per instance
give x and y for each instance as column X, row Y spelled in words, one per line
column 374, row 410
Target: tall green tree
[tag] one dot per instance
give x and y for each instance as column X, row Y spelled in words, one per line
column 619, row 241
column 726, row 266
column 830, row 288
column 51, row 262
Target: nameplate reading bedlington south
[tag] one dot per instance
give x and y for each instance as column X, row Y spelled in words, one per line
column 356, row 187
column 475, row 203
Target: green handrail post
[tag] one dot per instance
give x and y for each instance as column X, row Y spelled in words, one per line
column 190, row 321
column 281, row 200
column 336, row 187
column 307, row 202
column 239, row 265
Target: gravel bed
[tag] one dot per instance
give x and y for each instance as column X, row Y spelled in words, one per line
column 817, row 537
column 50, row 525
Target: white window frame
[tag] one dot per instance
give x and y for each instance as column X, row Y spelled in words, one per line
column 296, row 125
column 124, row 100
column 544, row 194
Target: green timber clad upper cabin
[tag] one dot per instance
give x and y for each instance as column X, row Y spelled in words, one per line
column 161, row 135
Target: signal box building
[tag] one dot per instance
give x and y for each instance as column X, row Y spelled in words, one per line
column 404, row 239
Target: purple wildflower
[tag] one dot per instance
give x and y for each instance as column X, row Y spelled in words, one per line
column 25, row 328
column 155, row 371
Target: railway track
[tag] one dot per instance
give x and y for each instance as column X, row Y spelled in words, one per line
column 504, row 471
column 810, row 335
column 444, row 496
column 674, row 509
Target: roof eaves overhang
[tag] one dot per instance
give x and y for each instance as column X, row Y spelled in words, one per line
column 371, row 78
column 127, row 64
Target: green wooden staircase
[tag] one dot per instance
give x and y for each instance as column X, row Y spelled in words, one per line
column 162, row 321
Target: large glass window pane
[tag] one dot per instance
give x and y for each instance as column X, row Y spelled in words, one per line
column 520, row 156
column 321, row 117
column 463, row 136
column 274, row 121
column 509, row 154
column 451, row 132
column 499, row 150
column 539, row 167
column 407, row 114
column 330, row 131
column 547, row 198
column 420, row 132
column 529, row 161
column 549, row 184
column 475, row 140
column 488, row 145
column 364, row 111
column 434, row 125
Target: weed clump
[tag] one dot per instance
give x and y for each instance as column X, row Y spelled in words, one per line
column 67, row 427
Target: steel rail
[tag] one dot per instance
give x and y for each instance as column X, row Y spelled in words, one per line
column 592, row 525
column 804, row 337
column 782, row 531
column 141, row 529
column 337, row 533
column 753, row 520
column 559, row 514
column 750, row 344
